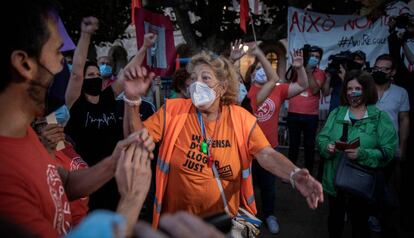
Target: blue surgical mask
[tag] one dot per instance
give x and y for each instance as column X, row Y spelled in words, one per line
column 62, row 115
column 260, row 76
column 70, row 67
column 100, row 223
column 106, row 70
column 313, row 61
column 242, row 93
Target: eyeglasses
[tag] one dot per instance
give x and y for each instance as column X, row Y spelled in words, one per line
column 376, row 68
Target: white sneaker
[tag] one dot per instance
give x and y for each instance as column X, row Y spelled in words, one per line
column 272, row 224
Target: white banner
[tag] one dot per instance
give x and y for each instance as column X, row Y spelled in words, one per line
column 336, row 33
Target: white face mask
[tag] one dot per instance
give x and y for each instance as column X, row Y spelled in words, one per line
column 202, row 95
column 242, row 93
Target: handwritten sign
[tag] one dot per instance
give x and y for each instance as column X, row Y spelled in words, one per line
column 336, row 33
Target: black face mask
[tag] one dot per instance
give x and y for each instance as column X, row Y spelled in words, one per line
column 380, row 77
column 43, row 82
column 92, row 86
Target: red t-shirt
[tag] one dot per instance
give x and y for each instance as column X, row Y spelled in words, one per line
column 31, row 191
column 267, row 114
column 307, row 103
column 71, row 161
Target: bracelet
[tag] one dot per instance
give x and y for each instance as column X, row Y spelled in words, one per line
column 292, row 174
column 132, row 102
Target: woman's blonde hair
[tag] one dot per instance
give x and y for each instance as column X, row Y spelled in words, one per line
column 224, row 72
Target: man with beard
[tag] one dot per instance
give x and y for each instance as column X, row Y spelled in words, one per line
column 393, row 100
column 34, row 191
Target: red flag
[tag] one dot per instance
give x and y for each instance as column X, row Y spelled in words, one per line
column 160, row 57
column 244, row 14
column 177, row 62
column 134, row 4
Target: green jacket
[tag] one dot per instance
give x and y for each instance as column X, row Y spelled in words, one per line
column 378, row 141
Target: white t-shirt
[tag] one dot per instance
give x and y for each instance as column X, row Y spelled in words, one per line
column 393, row 101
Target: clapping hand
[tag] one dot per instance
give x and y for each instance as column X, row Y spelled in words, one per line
column 133, row 172
column 141, row 136
column 133, row 177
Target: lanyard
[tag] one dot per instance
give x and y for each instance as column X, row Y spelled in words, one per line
column 205, row 149
column 205, row 145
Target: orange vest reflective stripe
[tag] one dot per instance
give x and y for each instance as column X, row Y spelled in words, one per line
column 176, row 112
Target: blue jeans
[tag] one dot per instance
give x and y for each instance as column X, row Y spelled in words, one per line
column 308, row 124
column 266, row 182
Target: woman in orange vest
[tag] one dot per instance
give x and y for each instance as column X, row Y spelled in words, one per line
column 208, row 143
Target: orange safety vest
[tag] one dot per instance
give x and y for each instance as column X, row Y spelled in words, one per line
column 176, row 112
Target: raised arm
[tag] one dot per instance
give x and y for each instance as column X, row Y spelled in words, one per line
column 89, row 26
column 271, row 75
column 118, row 85
column 135, row 85
column 236, row 50
column 302, row 83
column 326, row 87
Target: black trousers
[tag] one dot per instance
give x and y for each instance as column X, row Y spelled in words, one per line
column 266, row 182
column 308, row 124
column 356, row 209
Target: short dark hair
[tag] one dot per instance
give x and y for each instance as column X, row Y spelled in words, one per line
column 89, row 63
column 25, row 23
column 178, row 79
column 360, row 54
column 387, row 57
column 318, row 49
column 369, row 92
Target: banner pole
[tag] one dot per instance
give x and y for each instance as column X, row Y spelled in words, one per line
column 254, row 32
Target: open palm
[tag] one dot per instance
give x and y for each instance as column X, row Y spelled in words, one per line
column 297, row 58
column 237, row 50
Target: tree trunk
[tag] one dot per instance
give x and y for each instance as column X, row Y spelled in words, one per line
column 183, row 22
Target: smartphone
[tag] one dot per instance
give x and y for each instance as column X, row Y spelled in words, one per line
column 221, row 221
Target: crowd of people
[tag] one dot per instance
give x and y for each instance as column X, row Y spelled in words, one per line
column 88, row 159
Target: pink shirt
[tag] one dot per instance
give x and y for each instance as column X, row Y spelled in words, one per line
column 307, row 103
